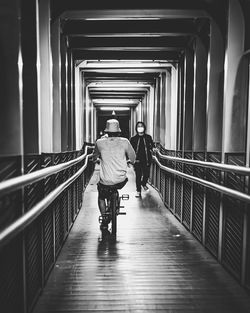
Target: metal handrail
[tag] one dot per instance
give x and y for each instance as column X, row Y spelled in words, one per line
column 217, row 166
column 228, row 191
column 25, row 220
column 24, row 180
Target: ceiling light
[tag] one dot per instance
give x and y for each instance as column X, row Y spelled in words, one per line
column 121, row 18
column 114, row 108
column 125, row 65
column 117, row 101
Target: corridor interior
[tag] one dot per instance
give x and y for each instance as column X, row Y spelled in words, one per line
column 154, row 265
column 183, row 68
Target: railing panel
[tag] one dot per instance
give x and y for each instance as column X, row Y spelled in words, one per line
column 58, row 226
column 187, row 193
column 167, row 190
column 33, row 253
column 34, row 250
column 48, row 241
column 33, row 193
column 10, row 204
column 178, row 188
column 232, row 236
column 11, row 265
column 163, row 185
column 198, row 199
column 248, row 253
column 233, row 219
column 213, row 200
column 212, row 221
column 11, row 277
column 172, row 183
column 214, row 203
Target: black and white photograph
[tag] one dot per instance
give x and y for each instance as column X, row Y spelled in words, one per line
column 124, row 156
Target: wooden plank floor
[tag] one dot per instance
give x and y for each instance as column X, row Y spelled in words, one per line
column 154, row 265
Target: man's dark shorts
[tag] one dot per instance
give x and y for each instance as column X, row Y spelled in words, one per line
column 106, row 190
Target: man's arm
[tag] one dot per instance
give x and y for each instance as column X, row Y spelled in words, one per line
column 96, row 154
column 132, row 141
column 152, row 144
column 130, row 152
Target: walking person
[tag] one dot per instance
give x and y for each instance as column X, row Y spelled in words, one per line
column 143, row 145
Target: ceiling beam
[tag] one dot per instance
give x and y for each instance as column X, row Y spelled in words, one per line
column 171, row 56
column 126, row 14
column 144, row 42
column 172, row 26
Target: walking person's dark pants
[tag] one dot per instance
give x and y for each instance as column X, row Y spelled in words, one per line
column 142, row 171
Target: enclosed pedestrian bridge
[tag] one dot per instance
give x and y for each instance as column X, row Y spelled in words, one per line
column 181, row 67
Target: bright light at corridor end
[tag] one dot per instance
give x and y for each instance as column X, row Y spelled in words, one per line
column 114, row 108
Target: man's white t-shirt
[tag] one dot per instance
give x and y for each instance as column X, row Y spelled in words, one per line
column 113, row 153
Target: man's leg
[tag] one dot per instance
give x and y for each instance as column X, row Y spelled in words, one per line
column 101, row 199
column 105, row 219
column 138, row 175
column 102, row 205
column 146, row 171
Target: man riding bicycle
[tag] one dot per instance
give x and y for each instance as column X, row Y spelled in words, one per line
column 113, row 152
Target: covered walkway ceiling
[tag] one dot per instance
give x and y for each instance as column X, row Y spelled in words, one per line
column 132, row 30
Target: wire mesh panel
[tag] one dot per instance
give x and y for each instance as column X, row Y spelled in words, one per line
column 75, row 199
column 48, row 241
column 10, row 204
column 48, row 219
column 198, row 198
column 152, row 169
column 151, row 173
column 187, row 193
column 167, row 190
column 33, row 193
column 178, row 188
column 58, row 177
column 162, row 183
column 233, row 219
column 48, row 182
column 33, row 252
column 79, row 192
column 157, row 177
column 212, row 221
column 71, row 203
column 64, row 213
column 232, row 236
column 58, row 232
column 172, row 165
column 166, row 178
column 11, row 277
column 248, row 252
column 212, row 207
column 232, row 180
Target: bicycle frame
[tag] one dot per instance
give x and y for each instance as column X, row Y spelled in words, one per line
column 113, row 208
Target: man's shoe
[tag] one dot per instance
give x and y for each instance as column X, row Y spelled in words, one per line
column 138, row 194
column 104, row 226
column 145, row 188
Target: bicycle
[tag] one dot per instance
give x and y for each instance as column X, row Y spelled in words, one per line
column 113, row 207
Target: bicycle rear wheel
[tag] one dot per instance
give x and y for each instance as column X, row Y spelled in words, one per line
column 113, row 205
